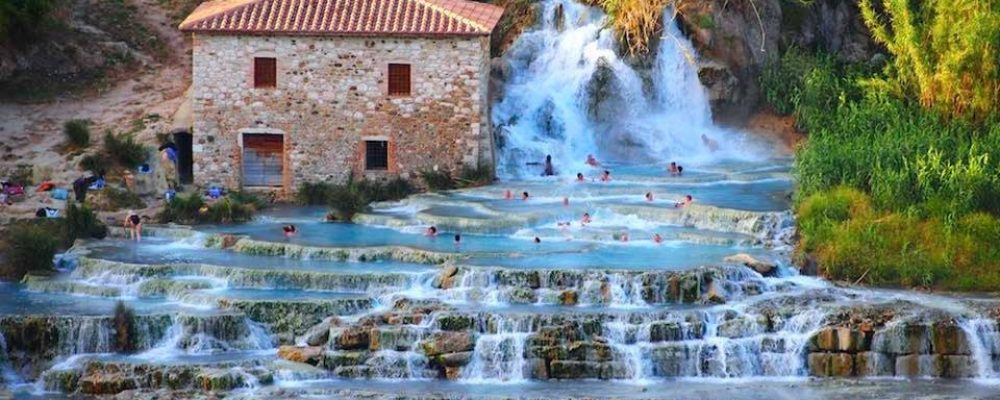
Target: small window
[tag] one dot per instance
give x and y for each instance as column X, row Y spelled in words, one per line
column 265, row 72
column 376, row 155
column 399, row 79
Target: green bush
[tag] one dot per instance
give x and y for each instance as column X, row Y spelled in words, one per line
column 80, row 222
column 95, row 163
column 852, row 242
column 126, row 335
column 31, row 248
column 77, row 133
column 354, row 196
column 437, row 180
column 25, row 21
column 192, row 209
column 117, row 199
column 480, row 176
column 124, row 151
column 22, row 174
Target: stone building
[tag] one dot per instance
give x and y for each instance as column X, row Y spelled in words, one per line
column 293, row 91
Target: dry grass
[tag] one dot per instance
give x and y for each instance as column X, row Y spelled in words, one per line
column 636, row 21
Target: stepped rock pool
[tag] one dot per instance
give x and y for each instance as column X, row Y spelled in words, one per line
column 377, row 309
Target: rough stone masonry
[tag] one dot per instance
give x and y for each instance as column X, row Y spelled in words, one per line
column 331, row 96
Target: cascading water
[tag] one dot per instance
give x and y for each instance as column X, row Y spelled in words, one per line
column 570, row 94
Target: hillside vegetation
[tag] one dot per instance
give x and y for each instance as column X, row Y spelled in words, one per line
column 899, row 182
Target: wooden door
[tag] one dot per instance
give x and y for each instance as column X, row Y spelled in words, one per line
column 263, row 159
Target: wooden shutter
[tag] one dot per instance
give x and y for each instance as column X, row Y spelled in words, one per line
column 263, row 159
column 265, row 72
column 399, row 79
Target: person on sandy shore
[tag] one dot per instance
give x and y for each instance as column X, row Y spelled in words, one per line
column 133, row 224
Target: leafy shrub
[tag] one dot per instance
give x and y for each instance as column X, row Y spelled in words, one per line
column 437, row 180
column 898, row 249
column 192, row 209
column 95, row 163
column 480, row 176
column 25, row 21
column 111, row 199
column 124, row 151
column 77, row 133
column 80, row 222
column 126, row 335
column 22, row 174
column 31, row 248
column 354, row 196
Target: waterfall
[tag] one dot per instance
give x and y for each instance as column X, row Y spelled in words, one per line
column 570, row 94
column 499, row 354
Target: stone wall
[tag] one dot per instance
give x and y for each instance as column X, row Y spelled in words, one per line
column 331, row 95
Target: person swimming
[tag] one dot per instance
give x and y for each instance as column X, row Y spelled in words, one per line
column 289, row 230
column 684, row 203
column 624, row 237
column 606, row 176
column 579, row 177
column 458, row 239
column 591, row 161
column 549, row 169
column 649, row 196
column 507, row 195
column 431, row 231
column 524, row 196
column 565, row 201
column 586, row 219
column 674, row 169
column 538, row 240
column 657, row 238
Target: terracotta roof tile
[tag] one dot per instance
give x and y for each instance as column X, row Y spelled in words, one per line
column 345, row 17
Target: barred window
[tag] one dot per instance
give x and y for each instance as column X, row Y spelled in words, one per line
column 399, row 79
column 265, row 72
column 376, row 155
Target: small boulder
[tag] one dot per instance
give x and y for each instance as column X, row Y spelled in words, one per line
column 448, row 342
column 764, row 268
column 319, row 334
column 309, row 355
column 352, row 338
column 568, row 298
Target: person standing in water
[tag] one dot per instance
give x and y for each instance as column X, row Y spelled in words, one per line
column 524, row 196
column 579, row 177
column 606, row 176
column 458, row 239
column 549, row 169
column 657, row 238
column 591, row 161
column 289, row 231
column 710, row 143
column 134, row 225
column 586, row 219
column 684, row 203
column 649, row 196
column 507, row 195
column 565, row 201
column 431, row 231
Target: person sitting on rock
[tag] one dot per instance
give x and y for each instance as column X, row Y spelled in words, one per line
column 431, row 231
column 289, row 230
column 684, row 203
column 606, row 176
column 133, row 224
